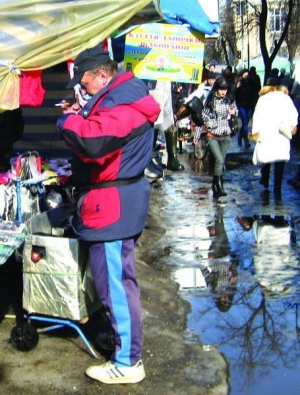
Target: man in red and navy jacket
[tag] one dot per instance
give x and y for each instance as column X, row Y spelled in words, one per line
column 112, row 139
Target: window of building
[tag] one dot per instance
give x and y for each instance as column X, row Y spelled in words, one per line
column 277, row 17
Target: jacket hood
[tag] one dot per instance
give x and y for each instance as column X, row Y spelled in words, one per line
column 149, row 107
column 126, row 89
column 137, row 95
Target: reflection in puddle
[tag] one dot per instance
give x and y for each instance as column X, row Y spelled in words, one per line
column 244, row 291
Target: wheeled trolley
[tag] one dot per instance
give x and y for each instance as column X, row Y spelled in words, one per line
column 57, row 284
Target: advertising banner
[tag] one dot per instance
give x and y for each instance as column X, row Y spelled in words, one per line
column 165, row 52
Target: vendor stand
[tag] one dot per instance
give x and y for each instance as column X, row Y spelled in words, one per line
column 57, row 283
column 21, row 65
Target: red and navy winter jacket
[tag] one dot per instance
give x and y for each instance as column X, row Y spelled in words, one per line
column 112, row 139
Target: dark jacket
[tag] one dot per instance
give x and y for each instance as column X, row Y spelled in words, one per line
column 246, row 95
column 112, row 136
column 11, row 128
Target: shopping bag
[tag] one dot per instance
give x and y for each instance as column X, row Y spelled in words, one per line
column 261, row 154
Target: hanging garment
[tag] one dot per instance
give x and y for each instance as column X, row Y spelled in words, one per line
column 32, row 92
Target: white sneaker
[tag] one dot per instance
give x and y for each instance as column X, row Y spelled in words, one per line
column 109, row 373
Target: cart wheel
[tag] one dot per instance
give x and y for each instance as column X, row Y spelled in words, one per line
column 24, row 337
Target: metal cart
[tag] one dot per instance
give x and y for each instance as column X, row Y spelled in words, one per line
column 57, row 284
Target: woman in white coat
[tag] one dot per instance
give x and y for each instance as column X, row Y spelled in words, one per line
column 275, row 119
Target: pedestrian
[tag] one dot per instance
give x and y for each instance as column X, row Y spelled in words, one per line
column 286, row 79
column 245, row 100
column 112, row 137
column 256, row 83
column 219, row 107
column 212, row 67
column 274, row 75
column 274, row 115
column 203, row 89
column 195, row 101
column 230, row 77
column 179, row 93
column 295, row 96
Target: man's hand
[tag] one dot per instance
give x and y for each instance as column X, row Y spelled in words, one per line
column 70, row 108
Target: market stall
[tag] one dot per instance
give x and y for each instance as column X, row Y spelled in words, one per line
column 35, row 37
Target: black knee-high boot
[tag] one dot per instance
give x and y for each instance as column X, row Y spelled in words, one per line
column 214, row 187
column 171, row 145
column 222, row 186
column 219, row 186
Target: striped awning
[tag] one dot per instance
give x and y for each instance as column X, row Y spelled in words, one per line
column 35, row 35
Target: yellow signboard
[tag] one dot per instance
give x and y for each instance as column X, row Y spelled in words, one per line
column 165, row 52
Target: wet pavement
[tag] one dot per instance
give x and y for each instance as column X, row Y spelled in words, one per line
column 237, row 264
column 220, row 294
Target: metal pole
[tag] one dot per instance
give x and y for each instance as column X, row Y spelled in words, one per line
column 242, row 20
column 248, row 46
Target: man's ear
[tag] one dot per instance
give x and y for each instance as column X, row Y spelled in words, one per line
column 103, row 74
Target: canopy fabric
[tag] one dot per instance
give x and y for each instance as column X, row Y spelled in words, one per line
column 188, row 11
column 37, row 34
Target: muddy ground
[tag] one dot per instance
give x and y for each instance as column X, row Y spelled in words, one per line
column 175, row 361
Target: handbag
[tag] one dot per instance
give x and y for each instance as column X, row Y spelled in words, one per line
column 233, row 124
column 286, row 131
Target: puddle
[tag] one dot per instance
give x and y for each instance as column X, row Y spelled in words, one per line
column 244, row 288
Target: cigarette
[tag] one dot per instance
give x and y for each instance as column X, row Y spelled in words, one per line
column 61, row 104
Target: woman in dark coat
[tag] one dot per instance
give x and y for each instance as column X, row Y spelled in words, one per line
column 245, row 99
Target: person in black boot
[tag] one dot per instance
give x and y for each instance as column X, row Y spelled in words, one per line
column 218, row 109
column 165, row 122
column 275, row 114
column 171, row 145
